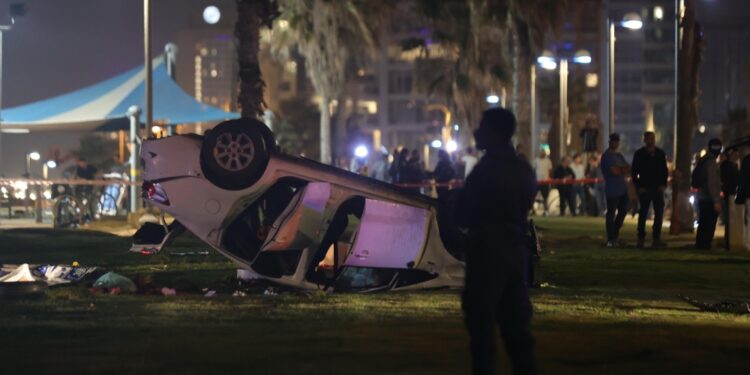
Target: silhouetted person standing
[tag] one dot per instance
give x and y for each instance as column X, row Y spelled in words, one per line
column 443, row 172
column 564, row 188
column 649, row 174
column 493, row 208
column 709, row 195
column 614, row 169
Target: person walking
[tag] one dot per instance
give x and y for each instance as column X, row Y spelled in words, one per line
column 579, row 190
column 564, row 173
column 543, row 170
column 649, row 175
column 614, row 169
column 706, row 179
column 493, row 209
column 443, row 172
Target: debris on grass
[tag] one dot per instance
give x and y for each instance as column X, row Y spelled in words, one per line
column 726, row 306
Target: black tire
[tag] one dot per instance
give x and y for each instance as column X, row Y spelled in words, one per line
column 235, row 153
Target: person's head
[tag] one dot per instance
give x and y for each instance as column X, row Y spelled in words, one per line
column 594, row 161
column 649, row 139
column 82, row 163
column 414, row 155
column 565, row 162
column 470, row 150
column 614, row 141
column 542, row 153
column 577, row 158
column 714, row 147
column 404, row 154
column 443, row 155
column 495, row 129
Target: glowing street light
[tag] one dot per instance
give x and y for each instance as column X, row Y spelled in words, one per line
column 33, row 155
column 632, row 21
column 436, row 143
column 582, row 57
column 361, row 151
column 451, row 146
column 211, row 14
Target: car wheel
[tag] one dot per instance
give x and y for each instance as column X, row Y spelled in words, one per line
column 235, row 153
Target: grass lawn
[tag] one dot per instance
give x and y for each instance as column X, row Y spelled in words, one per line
column 602, row 311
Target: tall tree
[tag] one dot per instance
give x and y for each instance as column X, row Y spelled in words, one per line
column 528, row 22
column 251, row 16
column 327, row 33
column 462, row 60
column 690, row 58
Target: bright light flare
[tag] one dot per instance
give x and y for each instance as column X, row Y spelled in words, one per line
column 34, row 155
column 493, row 99
column 436, row 143
column 451, row 146
column 361, row 151
column 51, row 164
column 632, row 21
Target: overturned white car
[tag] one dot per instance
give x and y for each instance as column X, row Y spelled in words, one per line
column 293, row 220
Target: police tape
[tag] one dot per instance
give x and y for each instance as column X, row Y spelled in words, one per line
column 547, row 182
column 16, row 182
column 425, row 184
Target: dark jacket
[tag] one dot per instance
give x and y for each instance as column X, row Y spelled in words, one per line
column 649, row 170
column 730, row 177
column 497, row 197
column 563, row 172
column 444, row 171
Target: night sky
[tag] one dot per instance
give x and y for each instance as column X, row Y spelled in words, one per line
column 63, row 45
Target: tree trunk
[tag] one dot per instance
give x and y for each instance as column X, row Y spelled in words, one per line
column 522, row 103
column 325, row 130
column 247, row 38
column 689, row 58
column 338, row 129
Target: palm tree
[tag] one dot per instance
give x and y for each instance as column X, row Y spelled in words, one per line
column 328, row 34
column 251, row 16
column 470, row 63
column 689, row 59
column 528, row 22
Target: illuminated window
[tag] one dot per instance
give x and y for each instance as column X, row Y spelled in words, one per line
column 658, row 13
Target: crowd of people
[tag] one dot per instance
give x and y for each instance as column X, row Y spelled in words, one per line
column 593, row 184
column 405, row 167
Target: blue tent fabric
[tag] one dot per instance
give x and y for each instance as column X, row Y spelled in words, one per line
column 104, row 105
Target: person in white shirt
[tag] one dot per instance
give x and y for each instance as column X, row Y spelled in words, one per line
column 543, row 170
column 579, row 169
column 469, row 160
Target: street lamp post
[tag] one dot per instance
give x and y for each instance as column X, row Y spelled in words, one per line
column 547, row 61
column 33, row 155
column 631, row 21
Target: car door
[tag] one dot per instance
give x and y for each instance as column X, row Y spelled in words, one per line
column 390, row 235
column 302, row 221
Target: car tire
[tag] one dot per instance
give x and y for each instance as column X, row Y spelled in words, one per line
column 235, row 153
